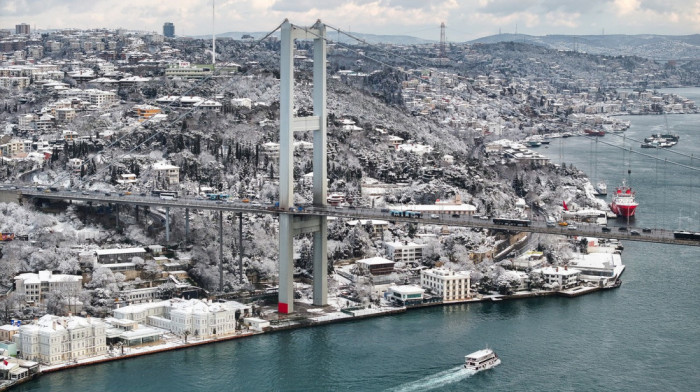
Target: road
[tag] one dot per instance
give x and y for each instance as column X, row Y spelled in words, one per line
column 587, row 230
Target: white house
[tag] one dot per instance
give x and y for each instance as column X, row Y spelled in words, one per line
column 53, row 339
column 563, row 276
column 170, row 172
column 404, row 252
column 35, row 287
column 450, row 285
column 200, row 318
column 405, row 294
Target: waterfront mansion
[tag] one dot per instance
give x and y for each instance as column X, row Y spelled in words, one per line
column 53, row 339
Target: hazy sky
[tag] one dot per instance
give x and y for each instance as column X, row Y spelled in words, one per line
column 465, row 19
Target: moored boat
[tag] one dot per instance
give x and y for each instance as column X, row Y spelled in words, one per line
column 601, row 188
column 591, row 132
column 481, row 360
column 623, row 203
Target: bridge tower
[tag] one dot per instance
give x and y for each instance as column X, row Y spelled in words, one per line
column 290, row 223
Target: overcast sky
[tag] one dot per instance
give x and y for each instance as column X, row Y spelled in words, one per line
column 465, row 19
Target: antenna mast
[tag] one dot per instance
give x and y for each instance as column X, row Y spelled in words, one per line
column 442, row 40
column 213, row 36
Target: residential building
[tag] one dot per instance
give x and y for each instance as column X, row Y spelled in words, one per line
column 127, row 178
column 169, row 29
column 144, row 112
column 188, row 72
column 52, row 339
column 450, row 285
column 404, row 252
column 8, row 331
column 375, row 266
column 75, row 164
column 376, row 227
column 167, row 171
column 22, row 28
column 199, row 318
column 112, row 256
column 565, row 277
column 35, row 287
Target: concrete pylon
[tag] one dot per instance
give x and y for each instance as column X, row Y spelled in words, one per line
column 291, row 224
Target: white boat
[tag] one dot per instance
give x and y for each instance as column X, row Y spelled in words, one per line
column 602, row 188
column 481, row 360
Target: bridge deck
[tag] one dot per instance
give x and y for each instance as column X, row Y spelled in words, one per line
column 587, row 230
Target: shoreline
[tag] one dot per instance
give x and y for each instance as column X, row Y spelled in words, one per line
column 307, row 323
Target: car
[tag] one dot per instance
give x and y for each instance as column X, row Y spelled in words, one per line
column 646, row 230
column 143, row 194
column 572, row 227
column 338, row 207
column 484, row 217
column 108, row 194
column 622, row 228
column 434, row 216
column 562, row 223
column 246, row 200
column 121, row 194
column 47, row 190
column 127, row 193
column 352, row 207
column 634, row 232
column 606, row 230
column 455, row 215
column 384, row 210
column 85, row 193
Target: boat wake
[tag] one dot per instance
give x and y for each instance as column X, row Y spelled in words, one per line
column 436, row 380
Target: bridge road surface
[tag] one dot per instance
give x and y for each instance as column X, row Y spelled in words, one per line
column 585, row 230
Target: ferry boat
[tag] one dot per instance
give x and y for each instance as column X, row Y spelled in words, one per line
column 481, row 360
column 623, row 203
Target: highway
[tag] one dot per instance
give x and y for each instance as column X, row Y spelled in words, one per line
column 581, row 229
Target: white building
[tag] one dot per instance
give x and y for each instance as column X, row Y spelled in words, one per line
column 405, row 294
column 199, row 318
column 123, row 255
column 563, row 276
column 450, row 285
column 404, row 252
column 53, row 339
column 170, row 172
column 35, row 287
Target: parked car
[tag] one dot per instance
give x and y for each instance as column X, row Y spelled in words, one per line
column 634, row 232
column 646, row 230
column 622, row 228
column 434, row 216
column 606, row 230
column 455, row 215
column 384, row 210
column 562, row 223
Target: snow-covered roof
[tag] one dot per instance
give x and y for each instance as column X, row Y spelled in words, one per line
column 46, row 276
column 437, row 208
column 375, row 261
column 557, row 271
column 102, row 252
column 162, row 165
column 407, row 289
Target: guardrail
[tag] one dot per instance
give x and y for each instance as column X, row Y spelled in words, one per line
column 656, row 236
